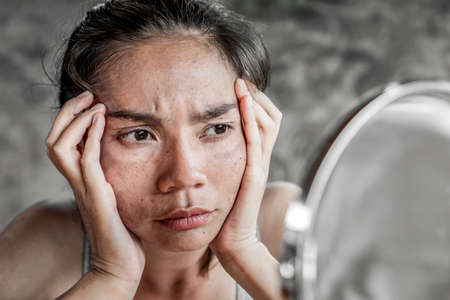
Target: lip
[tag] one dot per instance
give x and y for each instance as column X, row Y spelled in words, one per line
column 186, row 219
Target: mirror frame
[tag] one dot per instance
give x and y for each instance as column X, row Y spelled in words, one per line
column 299, row 258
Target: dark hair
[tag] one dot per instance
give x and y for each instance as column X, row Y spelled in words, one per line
column 110, row 27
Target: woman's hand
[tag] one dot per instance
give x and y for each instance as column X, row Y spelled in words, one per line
column 261, row 123
column 116, row 253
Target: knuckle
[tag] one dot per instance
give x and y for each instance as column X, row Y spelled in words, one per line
column 85, row 161
column 266, row 122
column 48, row 143
column 277, row 128
column 278, row 114
column 57, row 150
column 50, row 154
column 52, row 159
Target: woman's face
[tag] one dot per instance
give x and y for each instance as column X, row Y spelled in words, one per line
column 173, row 141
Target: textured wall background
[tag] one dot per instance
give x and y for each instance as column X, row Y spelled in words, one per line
column 324, row 54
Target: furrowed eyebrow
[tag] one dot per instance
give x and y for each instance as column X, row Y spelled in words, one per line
column 207, row 115
column 213, row 112
column 134, row 116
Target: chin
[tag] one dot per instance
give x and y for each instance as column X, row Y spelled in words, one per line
column 186, row 240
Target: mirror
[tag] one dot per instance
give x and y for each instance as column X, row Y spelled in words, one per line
column 374, row 218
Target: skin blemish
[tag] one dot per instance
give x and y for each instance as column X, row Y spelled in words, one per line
column 177, row 170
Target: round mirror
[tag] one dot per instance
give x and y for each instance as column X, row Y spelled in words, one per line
column 374, row 218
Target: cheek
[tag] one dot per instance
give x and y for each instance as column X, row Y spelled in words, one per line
column 130, row 175
column 226, row 167
column 125, row 170
column 230, row 162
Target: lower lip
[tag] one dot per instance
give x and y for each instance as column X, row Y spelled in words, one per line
column 188, row 222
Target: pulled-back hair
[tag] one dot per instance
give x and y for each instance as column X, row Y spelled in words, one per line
column 110, row 27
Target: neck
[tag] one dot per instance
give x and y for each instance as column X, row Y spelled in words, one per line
column 176, row 273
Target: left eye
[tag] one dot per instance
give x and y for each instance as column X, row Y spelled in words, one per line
column 219, row 129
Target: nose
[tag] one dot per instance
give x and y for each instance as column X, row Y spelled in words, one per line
column 182, row 169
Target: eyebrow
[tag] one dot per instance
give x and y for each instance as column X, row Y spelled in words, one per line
column 208, row 114
column 126, row 114
column 213, row 112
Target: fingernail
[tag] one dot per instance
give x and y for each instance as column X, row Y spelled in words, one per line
column 243, row 85
column 95, row 119
column 84, row 95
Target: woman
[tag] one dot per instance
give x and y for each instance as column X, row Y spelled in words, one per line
column 165, row 137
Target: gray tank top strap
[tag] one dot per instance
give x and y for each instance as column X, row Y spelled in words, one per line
column 241, row 294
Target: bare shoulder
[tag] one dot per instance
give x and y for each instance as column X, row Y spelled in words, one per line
column 40, row 252
column 274, row 205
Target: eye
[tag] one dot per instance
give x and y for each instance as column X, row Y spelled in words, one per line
column 217, row 130
column 137, row 136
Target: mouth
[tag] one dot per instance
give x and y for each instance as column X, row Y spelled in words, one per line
column 186, row 219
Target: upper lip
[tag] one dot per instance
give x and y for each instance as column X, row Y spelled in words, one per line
column 185, row 213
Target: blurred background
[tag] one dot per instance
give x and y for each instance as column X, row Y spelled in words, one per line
column 325, row 54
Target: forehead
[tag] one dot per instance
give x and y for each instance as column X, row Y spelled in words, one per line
column 166, row 72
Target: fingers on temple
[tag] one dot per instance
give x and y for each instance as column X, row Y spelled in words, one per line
column 90, row 160
column 251, row 129
column 267, row 115
column 265, row 125
column 75, row 131
column 265, row 102
column 64, row 152
column 68, row 112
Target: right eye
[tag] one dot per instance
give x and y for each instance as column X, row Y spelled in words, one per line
column 137, row 136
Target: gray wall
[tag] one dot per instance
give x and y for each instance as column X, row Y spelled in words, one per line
column 324, row 54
